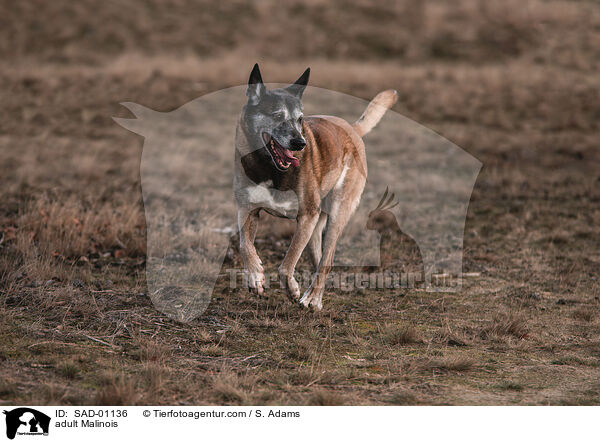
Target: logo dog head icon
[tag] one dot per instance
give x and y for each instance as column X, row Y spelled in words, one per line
column 27, row 421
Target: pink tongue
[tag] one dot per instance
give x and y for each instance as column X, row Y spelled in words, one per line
column 295, row 161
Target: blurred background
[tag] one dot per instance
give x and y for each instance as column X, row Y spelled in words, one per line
column 515, row 83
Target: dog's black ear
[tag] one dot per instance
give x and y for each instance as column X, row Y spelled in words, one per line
column 298, row 87
column 256, row 87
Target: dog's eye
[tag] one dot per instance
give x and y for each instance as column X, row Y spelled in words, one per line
column 278, row 115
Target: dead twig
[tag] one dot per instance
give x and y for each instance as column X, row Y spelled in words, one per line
column 100, row 341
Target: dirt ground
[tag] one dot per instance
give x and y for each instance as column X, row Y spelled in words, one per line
column 514, row 83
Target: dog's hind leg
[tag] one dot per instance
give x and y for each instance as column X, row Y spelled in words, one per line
column 248, row 224
column 344, row 201
column 304, row 228
column 315, row 244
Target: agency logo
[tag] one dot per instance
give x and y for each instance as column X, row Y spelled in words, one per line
column 26, row 422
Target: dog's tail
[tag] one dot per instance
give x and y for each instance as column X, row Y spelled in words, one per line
column 374, row 111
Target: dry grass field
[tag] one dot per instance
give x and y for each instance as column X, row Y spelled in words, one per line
column 514, row 83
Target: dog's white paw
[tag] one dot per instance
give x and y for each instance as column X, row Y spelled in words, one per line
column 289, row 283
column 292, row 287
column 256, row 281
column 312, row 298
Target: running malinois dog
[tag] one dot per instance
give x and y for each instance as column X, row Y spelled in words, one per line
column 312, row 169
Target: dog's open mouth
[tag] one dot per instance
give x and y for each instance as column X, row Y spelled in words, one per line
column 282, row 156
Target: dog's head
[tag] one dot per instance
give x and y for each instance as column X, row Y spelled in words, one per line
column 274, row 119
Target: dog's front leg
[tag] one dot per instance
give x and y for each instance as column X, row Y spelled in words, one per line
column 304, row 228
column 248, row 224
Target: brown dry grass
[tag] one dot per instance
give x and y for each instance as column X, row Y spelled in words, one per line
column 513, row 83
column 511, row 325
column 117, row 391
column 399, row 335
column 452, row 363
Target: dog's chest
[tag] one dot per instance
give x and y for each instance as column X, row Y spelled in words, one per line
column 265, row 196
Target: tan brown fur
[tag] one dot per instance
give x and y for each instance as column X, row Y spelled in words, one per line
column 374, row 111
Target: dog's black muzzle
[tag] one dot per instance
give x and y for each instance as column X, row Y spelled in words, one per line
column 297, row 144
